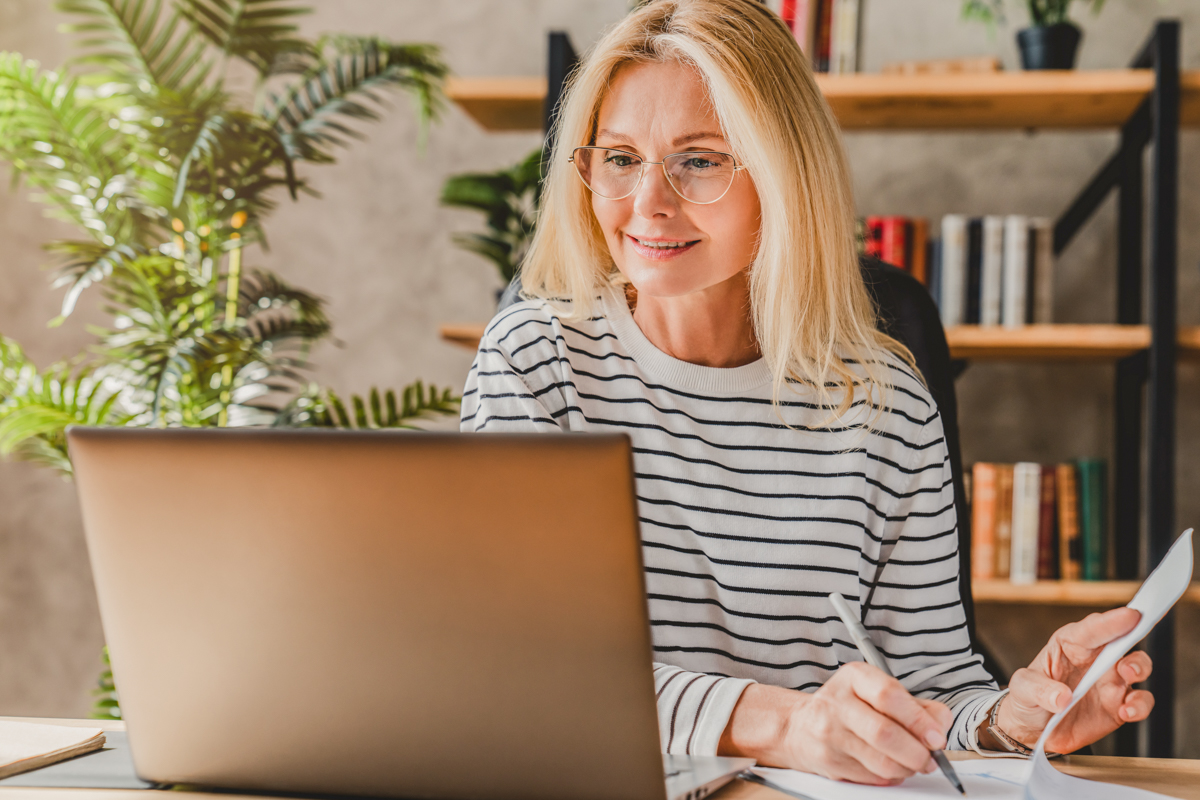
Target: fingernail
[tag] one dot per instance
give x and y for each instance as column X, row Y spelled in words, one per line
column 935, row 740
column 1134, row 669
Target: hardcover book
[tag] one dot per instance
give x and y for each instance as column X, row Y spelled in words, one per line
column 983, row 521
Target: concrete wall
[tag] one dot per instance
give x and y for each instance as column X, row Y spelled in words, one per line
column 378, row 247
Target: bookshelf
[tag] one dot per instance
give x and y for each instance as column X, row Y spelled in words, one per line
column 1147, row 104
column 1002, row 100
column 976, row 343
column 1095, row 594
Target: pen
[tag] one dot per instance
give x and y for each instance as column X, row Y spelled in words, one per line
column 865, row 646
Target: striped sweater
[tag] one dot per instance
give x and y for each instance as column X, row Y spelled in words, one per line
column 747, row 524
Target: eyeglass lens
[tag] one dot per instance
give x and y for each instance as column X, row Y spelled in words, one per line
column 614, row 174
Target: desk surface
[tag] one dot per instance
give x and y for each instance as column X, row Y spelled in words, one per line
column 1173, row 777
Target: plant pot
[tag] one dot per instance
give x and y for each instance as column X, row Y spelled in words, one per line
column 1050, row 46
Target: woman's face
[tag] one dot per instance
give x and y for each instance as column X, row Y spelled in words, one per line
column 654, row 110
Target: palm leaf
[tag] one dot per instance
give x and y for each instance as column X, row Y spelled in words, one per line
column 86, row 263
column 312, row 115
column 141, row 44
column 324, row 408
column 256, row 31
column 65, row 147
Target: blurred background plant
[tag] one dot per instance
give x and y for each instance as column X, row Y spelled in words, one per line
column 146, row 143
column 169, row 174
column 509, row 199
column 1042, row 13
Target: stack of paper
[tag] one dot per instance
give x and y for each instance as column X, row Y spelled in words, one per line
column 33, row 745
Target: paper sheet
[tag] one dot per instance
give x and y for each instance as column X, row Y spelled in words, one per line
column 28, row 745
column 1036, row 779
column 1154, row 599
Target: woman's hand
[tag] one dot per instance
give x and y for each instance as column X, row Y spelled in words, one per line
column 1044, row 688
column 861, row 726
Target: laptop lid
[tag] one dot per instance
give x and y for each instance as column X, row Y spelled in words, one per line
column 377, row 613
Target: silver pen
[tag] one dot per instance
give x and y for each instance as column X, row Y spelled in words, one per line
column 865, row 646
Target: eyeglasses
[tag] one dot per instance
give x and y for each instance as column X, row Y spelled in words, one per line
column 698, row 177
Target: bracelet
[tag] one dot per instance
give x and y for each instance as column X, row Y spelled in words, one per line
column 1009, row 743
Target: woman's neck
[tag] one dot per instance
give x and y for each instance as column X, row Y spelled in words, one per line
column 711, row 327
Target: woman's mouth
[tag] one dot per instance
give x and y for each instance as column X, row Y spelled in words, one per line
column 660, row 250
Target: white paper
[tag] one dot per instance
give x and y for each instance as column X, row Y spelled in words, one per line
column 1154, row 599
column 22, row 741
column 1007, row 779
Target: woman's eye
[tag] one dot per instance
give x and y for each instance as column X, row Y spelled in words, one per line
column 700, row 163
column 619, row 161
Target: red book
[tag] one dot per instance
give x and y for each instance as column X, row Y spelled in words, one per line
column 918, row 246
column 1047, row 560
column 894, row 242
column 787, row 12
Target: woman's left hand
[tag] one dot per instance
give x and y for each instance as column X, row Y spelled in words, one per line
column 1044, row 688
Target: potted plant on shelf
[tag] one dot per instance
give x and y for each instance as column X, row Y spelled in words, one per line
column 169, row 176
column 1052, row 40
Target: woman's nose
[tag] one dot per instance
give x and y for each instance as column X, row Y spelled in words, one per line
column 654, row 195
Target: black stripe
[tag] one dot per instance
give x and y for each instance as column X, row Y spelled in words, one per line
column 751, row 564
column 766, row 495
column 699, row 710
column 741, row 659
column 675, row 713
column 712, row 601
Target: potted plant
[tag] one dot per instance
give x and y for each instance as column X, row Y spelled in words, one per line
column 1051, row 42
column 168, row 176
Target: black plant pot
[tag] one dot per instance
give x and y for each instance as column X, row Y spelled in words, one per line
column 1050, row 46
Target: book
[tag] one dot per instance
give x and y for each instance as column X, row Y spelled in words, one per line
column 803, row 24
column 1047, row 558
column 983, row 521
column 26, row 746
column 1092, row 529
column 953, row 269
column 974, row 271
column 1041, row 235
column 893, row 241
column 1016, row 278
column 1070, row 556
column 1004, row 509
column 844, row 37
column 1026, row 505
column 933, row 276
column 873, row 239
column 823, row 28
column 991, row 265
column 918, row 245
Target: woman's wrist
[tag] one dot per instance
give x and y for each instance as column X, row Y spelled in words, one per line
column 759, row 724
column 1006, row 723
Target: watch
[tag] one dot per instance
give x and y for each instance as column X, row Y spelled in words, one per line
column 1009, row 743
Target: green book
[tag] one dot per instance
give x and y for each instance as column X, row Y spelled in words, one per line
column 1092, row 531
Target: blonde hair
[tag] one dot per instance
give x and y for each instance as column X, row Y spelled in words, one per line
column 811, row 312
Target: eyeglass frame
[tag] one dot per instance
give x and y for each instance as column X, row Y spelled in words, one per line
column 641, row 175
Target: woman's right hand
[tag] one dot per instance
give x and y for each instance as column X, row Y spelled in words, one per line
column 861, row 726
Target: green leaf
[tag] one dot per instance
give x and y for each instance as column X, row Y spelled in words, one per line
column 259, row 32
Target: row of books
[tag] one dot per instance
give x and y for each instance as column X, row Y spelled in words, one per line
column 993, row 270
column 828, row 31
column 1033, row 522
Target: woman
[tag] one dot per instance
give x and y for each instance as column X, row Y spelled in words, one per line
column 693, row 282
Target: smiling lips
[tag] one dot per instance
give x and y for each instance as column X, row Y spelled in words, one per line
column 659, row 249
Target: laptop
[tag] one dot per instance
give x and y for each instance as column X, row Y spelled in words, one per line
column 379, row 613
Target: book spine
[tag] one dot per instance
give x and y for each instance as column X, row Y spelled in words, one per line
column 1004, row 512
column 1091, row 518
column 1047, row 560
column 822, row 39
column 844, row 36
column 983, row 521
column 974, row 271
column 919, row 246
column 991, row 271
column 1026, row 505
column 1069, row 555
column 935, row 271
column 954, row 267
column 803, row 25
column 893, row 245
column 1043, row 269
column 1016, row 269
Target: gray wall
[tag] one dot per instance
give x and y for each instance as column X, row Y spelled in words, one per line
column 377, row 246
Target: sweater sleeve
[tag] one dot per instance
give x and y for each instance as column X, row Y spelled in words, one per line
column 911, row 598
column 498, row 395
column 693, row 708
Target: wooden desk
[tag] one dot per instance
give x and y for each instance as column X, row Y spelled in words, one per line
column 1173, row 777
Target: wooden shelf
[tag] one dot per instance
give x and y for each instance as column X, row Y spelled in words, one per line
column 1030, row 343
column 1017, row 99
column 1065, row 593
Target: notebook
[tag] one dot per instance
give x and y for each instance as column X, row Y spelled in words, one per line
column 32, row 745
